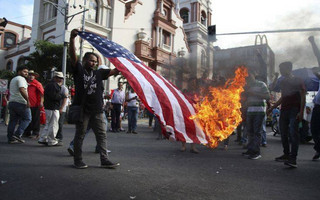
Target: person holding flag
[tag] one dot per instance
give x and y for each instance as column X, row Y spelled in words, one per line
column 88, row 84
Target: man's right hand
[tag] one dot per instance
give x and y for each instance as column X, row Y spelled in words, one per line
column 74, row 33
column 311, row 39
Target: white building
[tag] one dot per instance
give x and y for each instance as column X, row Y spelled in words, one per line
column 152, row 29
column 14, row 45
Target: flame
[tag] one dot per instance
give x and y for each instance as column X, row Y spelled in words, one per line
column 219, row 113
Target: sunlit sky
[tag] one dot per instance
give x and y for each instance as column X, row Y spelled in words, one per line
column 238, row 16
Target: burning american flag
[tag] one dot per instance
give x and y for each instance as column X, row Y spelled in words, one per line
column 215, row 118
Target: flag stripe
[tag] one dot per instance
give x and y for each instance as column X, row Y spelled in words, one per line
column 189, row 127
column 147, row 95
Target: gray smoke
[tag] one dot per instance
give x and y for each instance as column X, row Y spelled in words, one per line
column 295, row 47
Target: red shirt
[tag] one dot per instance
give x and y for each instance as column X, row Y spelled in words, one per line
column 4, row 100
column 72, row 92
column 35, row 90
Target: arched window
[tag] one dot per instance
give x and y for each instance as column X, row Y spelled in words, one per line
column 184, row 14
column 21, row 61
column 203, row 18
column 203, row 59
column 50, row 11
column 9, row 39
column 9, row 65
column 92, row 13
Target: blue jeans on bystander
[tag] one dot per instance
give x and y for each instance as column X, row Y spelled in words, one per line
column 18, row 113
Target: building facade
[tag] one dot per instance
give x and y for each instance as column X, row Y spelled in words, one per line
column 14, row 45
column 226, row 60
column 157, row 31
column 197, row 17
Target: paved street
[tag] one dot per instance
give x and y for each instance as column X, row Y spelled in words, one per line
column 153, row 169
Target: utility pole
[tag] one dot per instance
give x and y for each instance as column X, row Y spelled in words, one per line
column 83, row 27
column 64, row 11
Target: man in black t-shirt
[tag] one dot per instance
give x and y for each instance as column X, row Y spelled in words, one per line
column 88, row 84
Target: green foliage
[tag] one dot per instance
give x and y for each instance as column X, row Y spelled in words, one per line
column 46, row 57
column 6, row 74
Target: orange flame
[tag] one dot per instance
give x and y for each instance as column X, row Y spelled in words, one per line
column 219, row 113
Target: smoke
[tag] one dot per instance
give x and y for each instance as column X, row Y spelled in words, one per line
column 295, row 47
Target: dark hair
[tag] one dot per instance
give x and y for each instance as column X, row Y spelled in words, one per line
column 20, row 68
column 286, row 65
column 88, row 54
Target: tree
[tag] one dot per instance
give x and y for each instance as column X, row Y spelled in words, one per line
column 46, row 57
column 6, row 74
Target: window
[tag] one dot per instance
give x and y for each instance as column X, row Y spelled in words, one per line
column 9, row 40
column 166, row 38
column 92, row 13
column 50, row 11
column 204, row 18
column 166, row 13
column 9, row 65
column 184, row 14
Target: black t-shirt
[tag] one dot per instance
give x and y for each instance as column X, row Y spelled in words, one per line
column 93, row 80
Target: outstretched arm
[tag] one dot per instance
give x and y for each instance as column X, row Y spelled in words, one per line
column 72, row 49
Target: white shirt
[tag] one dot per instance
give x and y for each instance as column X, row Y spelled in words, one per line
column 65, row 90
column 133, row 102
column 118, row 97
column 15, row 85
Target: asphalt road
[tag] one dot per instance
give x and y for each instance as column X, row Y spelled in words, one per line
column 153, row 169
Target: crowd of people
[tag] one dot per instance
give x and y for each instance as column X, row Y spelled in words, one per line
column 28, row 100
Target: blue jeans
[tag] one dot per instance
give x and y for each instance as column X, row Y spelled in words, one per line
column 315, row 127
column 254, row 126
column 289, row 130
column 18, row 113
column 132, row 118
column 264, row 131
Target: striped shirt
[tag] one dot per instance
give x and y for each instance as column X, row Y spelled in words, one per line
column 257, row 105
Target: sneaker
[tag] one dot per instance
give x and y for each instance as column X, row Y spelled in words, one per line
column 18, row 138
column 52, row 144
column 109, row 164
column 128, row 132
column 247, row 153
column 291, row 163
column 108, row 151
column 14, row 142
column 282, row 158
column 121, row 129
column 264, row 145
column 316, row 157
column 254, row 156
column 80, row 165
column 70, row 150
column 42, row 142
column 133, row 132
